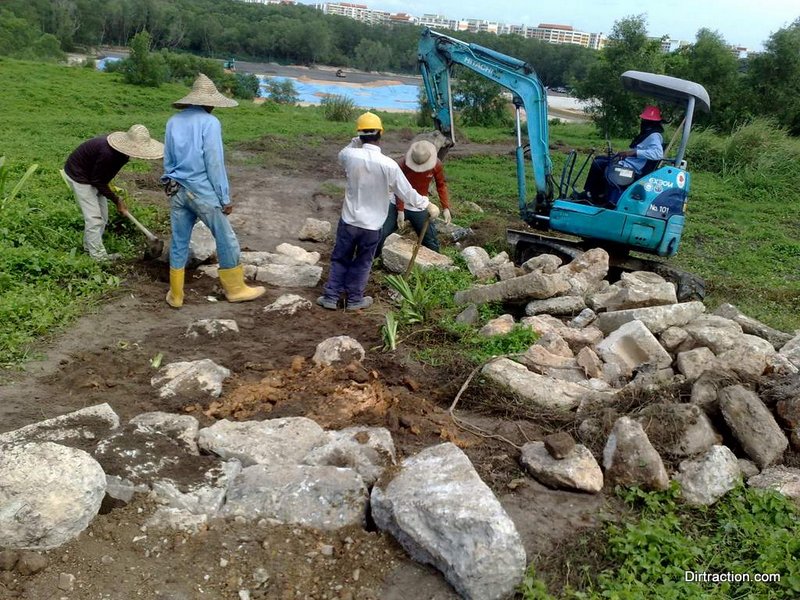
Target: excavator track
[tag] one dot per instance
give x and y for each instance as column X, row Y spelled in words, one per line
column 526, row 245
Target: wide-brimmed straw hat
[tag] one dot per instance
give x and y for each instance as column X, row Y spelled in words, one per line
column 205, row 93
column 421, row 156
column 136, row 143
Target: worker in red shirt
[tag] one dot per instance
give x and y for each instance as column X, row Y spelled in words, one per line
column 421, row 166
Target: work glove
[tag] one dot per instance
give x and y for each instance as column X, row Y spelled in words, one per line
column 401, row 221
column 447, row 216
column 433, row 210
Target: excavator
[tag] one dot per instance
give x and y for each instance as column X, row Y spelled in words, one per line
column 648, row 212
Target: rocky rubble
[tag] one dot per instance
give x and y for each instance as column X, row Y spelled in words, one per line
column 601, row 342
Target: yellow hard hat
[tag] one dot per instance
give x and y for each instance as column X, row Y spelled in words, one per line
column 369, row 122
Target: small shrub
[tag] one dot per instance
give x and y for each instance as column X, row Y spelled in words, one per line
column 282, row 92
column 337, row 107
column 389, row 332
column 143, row 67
column 417, row 301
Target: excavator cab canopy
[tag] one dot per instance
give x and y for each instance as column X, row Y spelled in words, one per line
column 671, row 90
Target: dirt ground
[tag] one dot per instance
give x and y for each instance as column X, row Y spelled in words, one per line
column 105, row 357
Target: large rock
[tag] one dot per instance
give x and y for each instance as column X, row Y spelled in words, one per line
column 276, row 442
column 48, row 494
column 211, row 328
column 75, row 428
column 585, row 318
column 182, row 428
column 289, row 275
column 635, row 290
column 655, row 318
column 791, row 350
column 544, row 263
column 673, row 338
column 203, row 246
column 288, row 304
column 578, row 471
column 340, row 348
column 694, row 363
column 298, row 254
column 554, row 343
column 678, row 430
column 397, row 251
column 441, row 512
column 468, row 316
column 776, row 338
column 785, row 480
column 749, row 359
column 540, row 359
column 533, row 285
column 500, row 326
column 563, row 305
column 315, row 230
column 205, row 497
column 366, row 450
column 753, row 425
column 477, row 259
column 325, row 498
column 632, row 346
column 717, row 333
column 591, row 364
column 190, row 378
column 252, row 260
column 544, row 392
column 706, row 479
column 586, row 274
column 629, row 458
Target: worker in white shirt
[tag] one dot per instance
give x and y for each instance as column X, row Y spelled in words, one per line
column 372, row 179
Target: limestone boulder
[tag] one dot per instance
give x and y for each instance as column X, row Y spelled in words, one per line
column 562, row 305
column 275, row 442
column 678, row 430
column 48, row 494
column 578, row 471
column 326, row 498
column 211, row 328
column 655, row 318
column 635, row 290
column 629, row 458
column 586, row 274
column 441, row 512
column 190, row 378
column 477, row 259
column 366, row 450
column 181, row 428
column 705, row 479
column 315, row 230
column 397, row 251
column 500, row 326
column 632, row 346
column 717, row 333
column 288, row 304
column 298, row 254
column 544, row 263
column 341, row 348
column 76, row 428
column 278, row 275
column 753, row 425
column 751, row 326
column 784, row 480
column 532, row 285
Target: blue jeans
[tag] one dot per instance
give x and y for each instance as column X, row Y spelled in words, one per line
column 185, row 209
column 351, row 261
column 417, row 220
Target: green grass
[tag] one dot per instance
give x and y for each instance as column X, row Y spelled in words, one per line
column 45, row 278
column 749, row 531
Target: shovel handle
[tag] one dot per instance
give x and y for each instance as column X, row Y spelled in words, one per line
column 148, row 234
column 421, row 236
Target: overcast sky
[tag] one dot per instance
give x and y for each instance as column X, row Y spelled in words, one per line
column 743, row 22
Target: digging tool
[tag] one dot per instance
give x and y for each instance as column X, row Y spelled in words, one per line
column 155, row 245
column 421, row 236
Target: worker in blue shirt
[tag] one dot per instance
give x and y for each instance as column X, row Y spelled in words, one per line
column 197, row 184
column 645, row 147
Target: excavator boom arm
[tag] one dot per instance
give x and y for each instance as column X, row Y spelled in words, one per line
column 437, row 55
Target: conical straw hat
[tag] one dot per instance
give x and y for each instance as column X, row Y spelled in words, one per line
column 205, row 93
column 136, row 143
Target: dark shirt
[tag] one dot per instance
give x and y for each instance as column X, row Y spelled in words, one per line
column 96, row 163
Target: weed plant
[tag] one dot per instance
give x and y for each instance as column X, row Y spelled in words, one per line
column 339, row 108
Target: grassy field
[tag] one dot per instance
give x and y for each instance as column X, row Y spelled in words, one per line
column 742, row 232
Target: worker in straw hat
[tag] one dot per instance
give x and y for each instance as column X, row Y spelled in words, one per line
column 197, row 184
column 421, row 166
column 89, row 171
column 372, row 179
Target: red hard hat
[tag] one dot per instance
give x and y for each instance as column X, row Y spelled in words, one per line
column 651, row 113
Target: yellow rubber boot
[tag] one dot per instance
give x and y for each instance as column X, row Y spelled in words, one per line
column 175, row 293
column 236, row 290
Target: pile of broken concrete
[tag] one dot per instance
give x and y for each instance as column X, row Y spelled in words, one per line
column 54, row 476
column 736, row 379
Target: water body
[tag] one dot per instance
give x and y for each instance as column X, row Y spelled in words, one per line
column 389, row 95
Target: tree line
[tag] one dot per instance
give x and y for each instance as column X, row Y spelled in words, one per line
column 764, row 85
